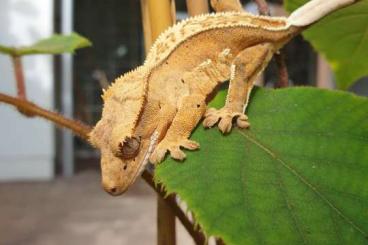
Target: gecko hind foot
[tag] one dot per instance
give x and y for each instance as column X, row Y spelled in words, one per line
column 224, row 117
column 174, row 148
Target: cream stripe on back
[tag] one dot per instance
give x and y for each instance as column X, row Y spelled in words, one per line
column 169, row 40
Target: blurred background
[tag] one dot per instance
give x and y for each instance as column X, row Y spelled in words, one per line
column 49, row 180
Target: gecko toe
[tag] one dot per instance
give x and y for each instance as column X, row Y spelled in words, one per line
column 177, row 154
column 242, row 122
column 225, row 125
column 190, row 144
column 210, row 121
column 158, row 155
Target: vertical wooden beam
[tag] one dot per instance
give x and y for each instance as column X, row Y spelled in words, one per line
column 165, row 223
column 146, row 25
column 196, row 7
column 324, row 74
column 160, row 13
column 157, row 16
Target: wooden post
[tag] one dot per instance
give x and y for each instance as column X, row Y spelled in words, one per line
column 157, row 16
column 165, row 223
column 324, row 74
column 160, row 14
column 146, row 25
column 196, row 7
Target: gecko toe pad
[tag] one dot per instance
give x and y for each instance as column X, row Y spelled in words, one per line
column 174, row 147
column 225, row 117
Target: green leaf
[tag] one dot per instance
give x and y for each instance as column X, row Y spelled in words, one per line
column 56, row 44
column 299, row 175
column 342, row 38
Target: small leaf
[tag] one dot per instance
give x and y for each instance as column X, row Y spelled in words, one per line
column 343, row 38
column 56, row 44
column 297, row 176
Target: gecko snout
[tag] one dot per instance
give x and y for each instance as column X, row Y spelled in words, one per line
column 113, row 190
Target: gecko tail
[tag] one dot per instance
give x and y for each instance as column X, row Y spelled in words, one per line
column 315, row 10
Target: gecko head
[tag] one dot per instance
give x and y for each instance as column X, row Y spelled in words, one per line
column 119, row 167
column 118, row 173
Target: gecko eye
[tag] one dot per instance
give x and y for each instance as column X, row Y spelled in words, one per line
column 129, row 147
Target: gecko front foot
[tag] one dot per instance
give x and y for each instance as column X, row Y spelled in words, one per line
column 224, row 117
column 174, row 148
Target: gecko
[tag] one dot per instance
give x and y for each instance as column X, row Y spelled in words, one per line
column 153, row 109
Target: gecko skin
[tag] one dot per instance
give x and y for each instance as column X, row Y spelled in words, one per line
column 153, row 109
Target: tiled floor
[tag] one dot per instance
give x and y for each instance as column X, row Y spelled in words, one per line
column 77, row 211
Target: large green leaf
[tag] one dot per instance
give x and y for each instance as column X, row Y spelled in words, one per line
column 343, row 38
column 299, row 175
column 56, row 44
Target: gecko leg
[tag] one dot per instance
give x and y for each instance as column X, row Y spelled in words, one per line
column 191, row 110
column 244, row 71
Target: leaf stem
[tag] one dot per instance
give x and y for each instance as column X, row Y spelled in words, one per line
column 26, row 107
column 19, row 76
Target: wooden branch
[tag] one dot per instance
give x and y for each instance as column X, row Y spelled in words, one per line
column 197, row 7
column 197, row 235
column 82, row 130
column 78, row 128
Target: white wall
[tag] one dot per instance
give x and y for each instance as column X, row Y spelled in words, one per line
column 26, row 145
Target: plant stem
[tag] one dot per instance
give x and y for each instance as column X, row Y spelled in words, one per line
column 197, row 236
column 78, row 128
column 283, row 81
column 219, row 241
column 82, row 130
column 263, row 8
column 283, row 74
column 19, row 77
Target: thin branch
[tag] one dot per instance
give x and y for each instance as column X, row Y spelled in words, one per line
column 282, row 70
column 82, row 130
column 283, row 74
column 263, row 8
column 197, row 235
column 27, row 107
